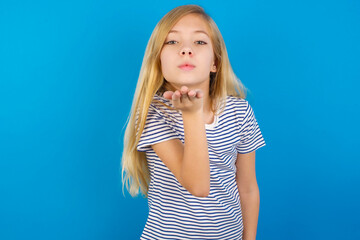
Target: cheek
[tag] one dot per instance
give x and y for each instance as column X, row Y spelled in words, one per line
column 209, row 56
column 209, row 61
column 165, row 60
column 164, row 67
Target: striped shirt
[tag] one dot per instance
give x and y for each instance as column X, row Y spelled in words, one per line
column 174, row 213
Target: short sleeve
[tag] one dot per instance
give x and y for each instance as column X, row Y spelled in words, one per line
column 250, row 134
column 156, row 130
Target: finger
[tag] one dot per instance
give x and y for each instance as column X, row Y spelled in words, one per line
column 199, row 94
column 192, row 95
column 168, row 94
column 185, row 98
column 176, row 96
column 184, row 90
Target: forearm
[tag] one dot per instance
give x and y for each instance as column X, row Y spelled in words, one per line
column 195, row 166
column 250, row 202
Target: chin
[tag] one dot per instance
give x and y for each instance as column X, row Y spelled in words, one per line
column 178, row 85
column 184, row 82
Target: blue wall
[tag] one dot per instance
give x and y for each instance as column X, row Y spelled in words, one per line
column 68, row 70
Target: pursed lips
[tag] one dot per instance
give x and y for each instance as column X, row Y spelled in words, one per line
column 186, row 66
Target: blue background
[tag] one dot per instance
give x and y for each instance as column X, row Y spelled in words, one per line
column 68, row 71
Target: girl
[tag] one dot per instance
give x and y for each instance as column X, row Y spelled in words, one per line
column 191, row 138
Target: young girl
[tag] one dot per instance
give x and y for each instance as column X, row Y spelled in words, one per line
column 191, row 138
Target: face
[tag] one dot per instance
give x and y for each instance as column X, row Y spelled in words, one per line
column 187, row 56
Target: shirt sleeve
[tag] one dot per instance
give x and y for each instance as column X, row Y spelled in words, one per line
column 156, row 130
column 250, row 134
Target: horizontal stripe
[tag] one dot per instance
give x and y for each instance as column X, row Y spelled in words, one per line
column 174, row 213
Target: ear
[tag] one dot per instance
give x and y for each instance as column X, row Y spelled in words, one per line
column 213, row 68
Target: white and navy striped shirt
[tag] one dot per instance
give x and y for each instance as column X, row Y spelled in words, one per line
column 174, row 213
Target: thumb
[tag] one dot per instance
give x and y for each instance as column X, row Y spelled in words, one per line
column 168, row 94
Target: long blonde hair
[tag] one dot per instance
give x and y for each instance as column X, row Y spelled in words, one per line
column 151, row 81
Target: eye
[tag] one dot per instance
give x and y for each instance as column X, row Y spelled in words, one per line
column 201, row 42
column 170, row 42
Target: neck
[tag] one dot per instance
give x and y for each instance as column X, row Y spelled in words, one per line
column 206, row 106
column 207, row 109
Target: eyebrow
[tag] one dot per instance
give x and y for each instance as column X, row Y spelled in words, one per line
column 196, row 31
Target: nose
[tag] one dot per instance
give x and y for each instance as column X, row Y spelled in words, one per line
column 185, row 51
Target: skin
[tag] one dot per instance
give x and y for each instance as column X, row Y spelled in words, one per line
column 186, row 45
column 249, row 193
column 192, row 98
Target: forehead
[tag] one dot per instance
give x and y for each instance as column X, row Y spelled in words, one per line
column 191, row 23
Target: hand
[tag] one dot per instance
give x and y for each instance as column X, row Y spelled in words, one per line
column 186, row 100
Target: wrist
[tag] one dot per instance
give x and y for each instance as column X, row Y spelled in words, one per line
column 192, row 114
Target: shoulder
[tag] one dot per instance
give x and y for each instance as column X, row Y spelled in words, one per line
column 236, row 100
column 237, row 108
column 160, row 104
column 161, row 107
column 237, row 104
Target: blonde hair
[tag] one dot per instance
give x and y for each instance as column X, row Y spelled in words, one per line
column 151, row 81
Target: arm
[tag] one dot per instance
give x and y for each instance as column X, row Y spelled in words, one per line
column 188, row 162
column 249, row 193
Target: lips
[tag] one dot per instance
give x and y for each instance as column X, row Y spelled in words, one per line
column 186, row 66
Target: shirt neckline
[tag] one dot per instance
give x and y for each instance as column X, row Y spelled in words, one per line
column 213, row 124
